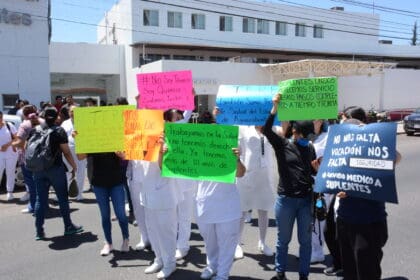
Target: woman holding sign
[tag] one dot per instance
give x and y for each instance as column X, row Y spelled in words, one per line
column 294, row 200
column 218, row 218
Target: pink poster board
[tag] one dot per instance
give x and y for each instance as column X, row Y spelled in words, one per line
column 165, row 90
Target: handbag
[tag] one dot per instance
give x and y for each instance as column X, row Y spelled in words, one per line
column 73, row 188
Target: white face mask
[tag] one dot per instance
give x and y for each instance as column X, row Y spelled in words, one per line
column 341, row 121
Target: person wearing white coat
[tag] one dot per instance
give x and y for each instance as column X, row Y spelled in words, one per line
column 218, row 217
column 159, row 196
column 68, row 127
column 255, row 187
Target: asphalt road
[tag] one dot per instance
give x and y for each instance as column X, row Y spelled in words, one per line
column 77, row 257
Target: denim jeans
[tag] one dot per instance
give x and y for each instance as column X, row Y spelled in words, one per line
column 29, row 181
column 287, row 210
column 55, row 177
column 117, row 195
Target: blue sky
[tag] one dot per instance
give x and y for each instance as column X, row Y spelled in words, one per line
column 89, row 13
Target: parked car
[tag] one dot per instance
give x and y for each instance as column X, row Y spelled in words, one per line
column 19, row 182
column 398, row 115
column 412, row 123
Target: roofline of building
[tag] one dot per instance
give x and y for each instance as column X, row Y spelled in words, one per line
column 316, row 54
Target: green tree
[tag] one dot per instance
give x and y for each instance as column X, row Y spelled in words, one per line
column 414, row 38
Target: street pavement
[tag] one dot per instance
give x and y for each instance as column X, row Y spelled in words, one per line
column 77, row 257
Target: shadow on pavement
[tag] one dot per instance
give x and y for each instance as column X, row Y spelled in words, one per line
column 55, row 212
column 396, row 278
column 194, row 257
column 71, row 241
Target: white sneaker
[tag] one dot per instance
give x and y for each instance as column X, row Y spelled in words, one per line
column 106, row 249
column 26, row 211
column 248, row 217
column 10, row 196
column 142, row 245
column 264, row 249
column 239, row 254
column 180, row 254
column 165, row 272
column 25, row 197
column 155, row 267
column 125, row 246
column 207, row 273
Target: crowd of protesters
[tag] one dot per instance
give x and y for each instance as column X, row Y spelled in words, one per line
column 275, row 169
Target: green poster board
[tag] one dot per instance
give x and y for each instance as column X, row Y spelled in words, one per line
column 200, row 152
column 99, row 129
column 308, row 99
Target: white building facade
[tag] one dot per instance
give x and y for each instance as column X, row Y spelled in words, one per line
column 24, row 58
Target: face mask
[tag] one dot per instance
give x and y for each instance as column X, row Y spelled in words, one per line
column 303, row 142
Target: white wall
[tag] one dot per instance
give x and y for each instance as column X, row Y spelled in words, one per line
column 395, row 88
column 86, row 58
column 24, row 66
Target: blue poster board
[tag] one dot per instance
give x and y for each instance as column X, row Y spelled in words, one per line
column 244, row 105
column 359, row 160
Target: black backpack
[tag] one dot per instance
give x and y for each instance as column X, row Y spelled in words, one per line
column 39, row 155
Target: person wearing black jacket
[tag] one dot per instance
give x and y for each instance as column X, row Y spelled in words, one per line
column 294, row 200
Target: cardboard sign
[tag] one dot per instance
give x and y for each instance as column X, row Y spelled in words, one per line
column 165, row 90
column 308, row 99
column 99, row 129
column 142, row 129
column 359, row 160
column 244, row 105
column 200, row 152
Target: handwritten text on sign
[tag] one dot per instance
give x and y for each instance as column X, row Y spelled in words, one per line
column 360, row 161
column 165, row 90
column 308, row 99
column 142, row 129
column 100, row 129
column 200, row 152
column 244, row 105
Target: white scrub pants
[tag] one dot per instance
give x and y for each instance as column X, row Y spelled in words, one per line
column 161, row 227
column 220, row 240
column 185, row 209
column 139, row 210
column 318, row 240
column 80, row 173
column 10, row 165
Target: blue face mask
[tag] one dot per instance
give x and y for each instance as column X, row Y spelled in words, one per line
column 303, row 142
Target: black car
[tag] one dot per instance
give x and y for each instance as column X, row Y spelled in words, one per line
column 412, row 122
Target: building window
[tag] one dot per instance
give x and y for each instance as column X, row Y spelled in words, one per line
column 318, row 31
column 9, row 101
column 218, row 58
column 225, row 23
column 300, row 30
column 150, row 17
column 263, row 60
column 281, row 28
column 248, row 25
column 263, row 26
column 175, row 19
column 198, row 21
column 184, row 57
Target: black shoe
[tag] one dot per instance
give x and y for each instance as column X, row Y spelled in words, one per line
column 332, row 271
column 280, row 276
column 40, row 236
column 303, row 277
column 73, row 230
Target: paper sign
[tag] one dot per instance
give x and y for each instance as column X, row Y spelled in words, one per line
column 244, row 105
column 142, row 129
column 165, row 90
column 308, row 99
column 99, row 129
column 359, row 160
column 200, row 152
